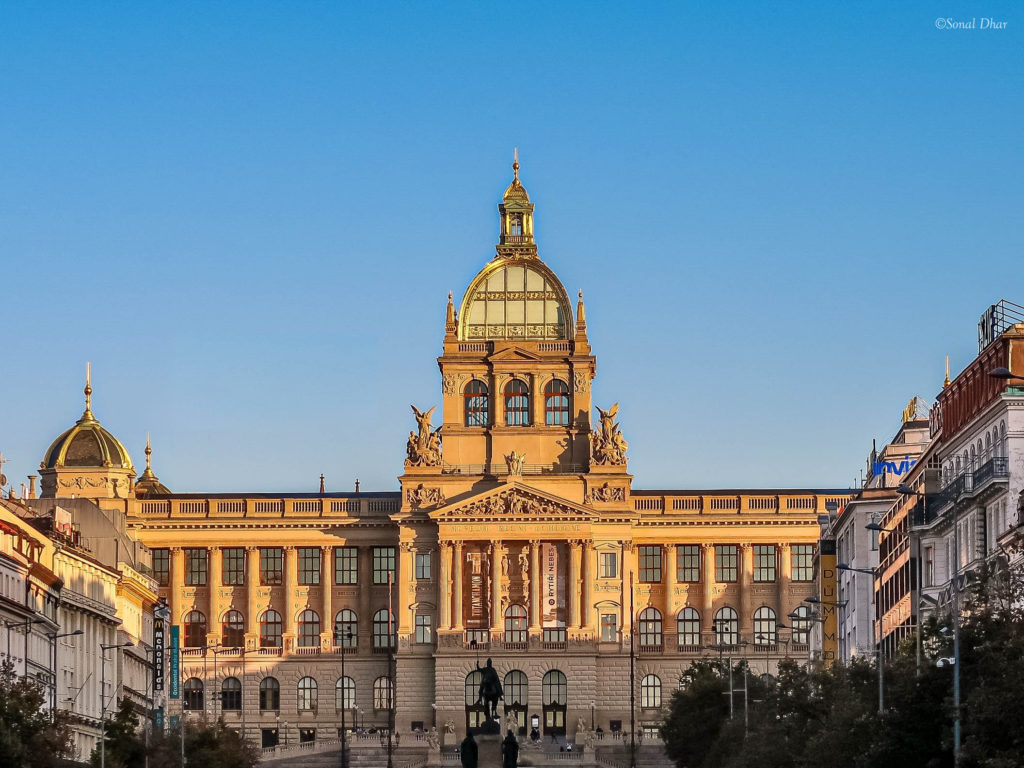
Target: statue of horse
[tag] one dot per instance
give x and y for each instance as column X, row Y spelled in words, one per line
column 490, row 690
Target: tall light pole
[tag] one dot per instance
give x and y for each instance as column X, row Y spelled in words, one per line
column 53, row 655
column 347, row 639
column 873, row 572
column 632, row 679
column 103, row 704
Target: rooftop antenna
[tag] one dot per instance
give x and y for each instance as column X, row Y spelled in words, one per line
column 3, row 477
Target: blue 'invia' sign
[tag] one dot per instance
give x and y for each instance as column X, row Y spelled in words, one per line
column 893, row 467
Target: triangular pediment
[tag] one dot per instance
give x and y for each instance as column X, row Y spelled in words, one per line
column 513, row 354
column 513, row 502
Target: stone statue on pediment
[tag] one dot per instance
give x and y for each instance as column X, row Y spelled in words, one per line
column 423, row 448
column 608, row 446
column 515, row 462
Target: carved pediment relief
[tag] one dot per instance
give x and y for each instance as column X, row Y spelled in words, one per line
column 513, row 354
column 513, row 502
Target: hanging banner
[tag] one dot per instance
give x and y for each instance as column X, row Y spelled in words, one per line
column 552, row 586
column 175, row 669
column 158, row 654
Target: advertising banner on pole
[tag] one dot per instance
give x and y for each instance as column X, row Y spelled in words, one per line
column 175, row 669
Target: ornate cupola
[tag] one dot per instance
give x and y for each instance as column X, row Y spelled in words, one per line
column 87, row 460
column 516, row 239
column 148, row 484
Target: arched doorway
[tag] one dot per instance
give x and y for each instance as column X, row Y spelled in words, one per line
column 555, row 696
column 476, row 712
column 516, row 687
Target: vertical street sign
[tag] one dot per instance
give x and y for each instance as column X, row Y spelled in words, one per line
column 175, row 670
column 158, row 654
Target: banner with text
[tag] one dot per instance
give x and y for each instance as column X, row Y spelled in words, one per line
column 175, row 669
column 552, row 586
column 158, row 654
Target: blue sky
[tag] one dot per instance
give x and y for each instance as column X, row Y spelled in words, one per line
column 248, row 217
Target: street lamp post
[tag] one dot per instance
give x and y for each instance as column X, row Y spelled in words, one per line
column 873, row 572
column 103, row 704
column 53, row 655
column 344, row 698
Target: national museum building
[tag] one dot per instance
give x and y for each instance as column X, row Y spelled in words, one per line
column 516, row 535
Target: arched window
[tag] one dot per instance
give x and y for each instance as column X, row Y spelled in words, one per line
column 232, row 630
column 344, row 693
column 516, row 688
column 307, row 694
column 472, row 690
column 554, row 688
column 270, row 629
column 801, row 618
column 195, row 629
column 765, row 629
column 309, row 629
column 688, row 627
column 380, row 629
column 727, row 627
column 346, row 629
column 515, row 224
column 270, row 694
column 382, row 693
column 192, row 693
column 515, row 624
column 650, row 627
column 477, row 404
column 556, row 403
column 517, row 404
column 650, row 692
column 231, row 695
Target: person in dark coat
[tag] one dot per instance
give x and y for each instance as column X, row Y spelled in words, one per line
column 510, row 751
column 468, row 751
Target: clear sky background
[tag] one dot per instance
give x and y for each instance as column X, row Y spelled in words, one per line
column 248, row 217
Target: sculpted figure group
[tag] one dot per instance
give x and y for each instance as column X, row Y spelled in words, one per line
column 607, row 443
column 424, row 447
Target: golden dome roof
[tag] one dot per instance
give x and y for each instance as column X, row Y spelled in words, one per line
column 87, row 444
column 148, row 483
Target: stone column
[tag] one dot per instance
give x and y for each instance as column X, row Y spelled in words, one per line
column 668, row 579
column 177, row 582
column 574, row 583
column 534, row 587
column 444, row 586
column 708, row 574
column 628, row 567
column 404, row 578
column 457, row 575
column 783, row 582
column 537, row 400
column 586, row 619
column 216, row 561
column 497, row 576
column 252, row 583
column 746, row 587
column 291, row 580
column 327, row 585
column 365, row 579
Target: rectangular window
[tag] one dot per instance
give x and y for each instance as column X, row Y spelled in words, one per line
column 309, row 565
column 422, row 565
column 650, row 564
column 195, row 567
column 346, row 565
column 233, row 566
column 764, row 562
column 162, row 567
column 609, row 627
column 271, row 566
column 726, row 562
column 424, row 633
column 609, row 565
column 383, row 564
column 803, row 562
column 929, row 566
column 688, row 563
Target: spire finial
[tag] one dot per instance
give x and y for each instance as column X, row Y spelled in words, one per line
column 321, row 482
column 515, row 162
column 149, row 453
column 945, row 382
column 450, row 322
column 88, row 389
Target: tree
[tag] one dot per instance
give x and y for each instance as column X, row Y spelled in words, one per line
column 28, row 735
column 124, row 747
column 209, row 746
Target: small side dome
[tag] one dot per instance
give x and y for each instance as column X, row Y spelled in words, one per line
column 87, row 444
column 148, row 483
